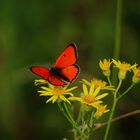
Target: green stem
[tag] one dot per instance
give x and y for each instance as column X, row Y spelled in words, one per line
column 74, row 123
column 112, row 111
column 79, row 115
column 62, row 110
column 70, row 119
column 83, row 117
column 69, row 114
column 90, row 124
column 92, row 119
column 118, row 29
column 109, row 81
column 117, row 37
column 75, row 134
column 110, row 118
column 124, row 93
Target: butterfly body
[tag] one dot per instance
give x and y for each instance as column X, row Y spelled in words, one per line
column 64, row 69
column 57, row 72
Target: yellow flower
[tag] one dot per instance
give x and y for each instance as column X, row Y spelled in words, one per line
column 91, row 97
column 136, row 76
column 105, row 66
column 56, row 93
column 98, row 83
column 40, row 82
column 123, row 68
column 101, row 109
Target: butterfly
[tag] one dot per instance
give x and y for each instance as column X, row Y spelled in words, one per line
column 64, row 69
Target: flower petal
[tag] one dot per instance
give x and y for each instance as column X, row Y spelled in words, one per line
column 44, row 93
column 133, row 66
column 54, row 99
column 115, row 62
column 70, row 89
column 64, row 99
column 101, row 96
column 85, row 90
column 69, row 93
column 96, row 91
column 76, row 98
column 40, row 82
column 46, row 88
column 50, row 99
column 106, row 110
column 91, row 89
column 96, row 104
column 86, row 82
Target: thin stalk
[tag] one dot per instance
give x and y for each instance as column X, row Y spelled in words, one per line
column 118, row 29
column 79, row 115
column 126, row 115
column 109, row 81
column 64, row 113
column 112, row 111
column 100, row 125
column 74, row 123
column 132, row 85
column 117, row 37
column 110, row 118
column 90, row 125
column 83, row 117
column 92, row 119
column 69, row 114
column 75, row 134
column 83, row 120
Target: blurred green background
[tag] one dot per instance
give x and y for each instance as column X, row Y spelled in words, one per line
column 34, row 32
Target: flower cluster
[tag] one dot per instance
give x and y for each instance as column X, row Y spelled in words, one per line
column 91, row 96
column 123, row 68
column 93, row 91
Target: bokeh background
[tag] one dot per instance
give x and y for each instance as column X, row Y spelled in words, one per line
column 34, row 32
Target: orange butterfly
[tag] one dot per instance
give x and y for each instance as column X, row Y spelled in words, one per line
column 64, row 69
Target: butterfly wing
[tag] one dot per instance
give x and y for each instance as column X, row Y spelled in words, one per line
column 54, row 80
column 70, row 72
column 45, row 74
column 68, row 57
column 41, row 71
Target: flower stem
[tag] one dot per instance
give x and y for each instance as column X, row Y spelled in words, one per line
column 117, row 37
column 112, row 111
column 118, row 29
column 75, row 134
column 92, row 119
column 74, row 123
column 126, row 91
column 83, row 117
column 79, row 115
column 110, row 118
column 62, row 110
column 109, row 81
column 100, row 125
column 90, row 124
column 69, row 118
